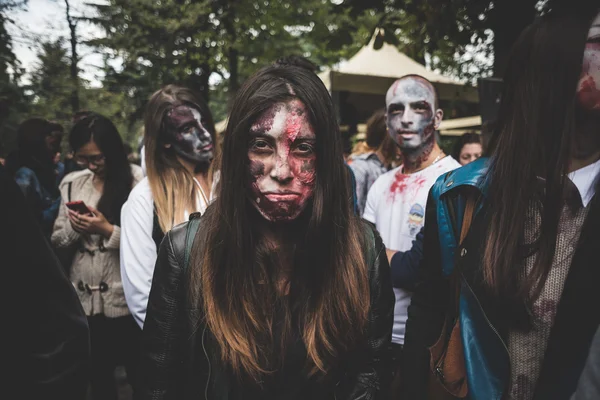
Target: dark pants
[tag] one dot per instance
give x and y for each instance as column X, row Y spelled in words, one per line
column 114, row 342
column 397, row 361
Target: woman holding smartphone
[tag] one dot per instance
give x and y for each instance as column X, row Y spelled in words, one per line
column 101, row 188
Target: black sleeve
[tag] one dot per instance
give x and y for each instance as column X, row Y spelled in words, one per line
column 405, row 264
column 372, row 378
column 161, row 362
column 47, row 340
column 426, row 311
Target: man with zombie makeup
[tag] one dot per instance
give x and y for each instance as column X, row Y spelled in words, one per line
column 179, row 148
column 526, row 274
column 412, row 117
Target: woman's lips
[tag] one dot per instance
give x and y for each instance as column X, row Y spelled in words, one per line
column 284, row 196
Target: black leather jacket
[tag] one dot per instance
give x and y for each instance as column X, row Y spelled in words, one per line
column 178, row 356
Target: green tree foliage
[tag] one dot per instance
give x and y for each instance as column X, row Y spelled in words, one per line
column 51, row 90
column 51, row 85
column 447, row 34
column 185, row 42
column 13, row 102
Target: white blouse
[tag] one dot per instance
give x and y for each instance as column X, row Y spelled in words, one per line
column 138, row 249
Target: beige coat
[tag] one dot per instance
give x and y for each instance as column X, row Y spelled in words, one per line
column 99, row 261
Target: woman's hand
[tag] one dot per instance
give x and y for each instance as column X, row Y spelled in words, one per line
column 96, row 224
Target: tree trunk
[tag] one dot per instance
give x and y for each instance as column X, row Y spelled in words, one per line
column 508, row 19
column 74, row 61
column 232, row 52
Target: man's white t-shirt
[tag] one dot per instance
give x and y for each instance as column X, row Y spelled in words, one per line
column 396, row 205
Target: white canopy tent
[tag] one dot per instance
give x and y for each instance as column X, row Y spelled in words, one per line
column 372, row 71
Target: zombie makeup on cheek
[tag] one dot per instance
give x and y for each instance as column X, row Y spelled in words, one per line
column 588, row 90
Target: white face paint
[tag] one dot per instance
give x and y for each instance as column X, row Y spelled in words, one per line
column 588, row 90
column 411, row 115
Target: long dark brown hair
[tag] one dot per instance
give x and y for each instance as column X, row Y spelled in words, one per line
column 173, row 187
column 233, row 273
column 118, row 180
column 533, row 141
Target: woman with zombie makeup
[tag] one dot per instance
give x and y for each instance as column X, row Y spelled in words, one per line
column 94, row 271
column 287, row 293
column 179, row 145
column 523, row 280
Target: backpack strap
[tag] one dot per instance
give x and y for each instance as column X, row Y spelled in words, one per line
column 157, row 233
column 190, row 235
column 467, row 218
column 69, row 191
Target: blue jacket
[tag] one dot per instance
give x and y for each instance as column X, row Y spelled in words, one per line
column 484, row 324
column 487, row 360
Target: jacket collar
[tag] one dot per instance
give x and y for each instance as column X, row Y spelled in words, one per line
column 472, row 174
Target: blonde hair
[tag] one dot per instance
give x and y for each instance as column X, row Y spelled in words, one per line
column 173, row 187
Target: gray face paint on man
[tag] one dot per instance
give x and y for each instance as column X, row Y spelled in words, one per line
column 188, row 136
column 411, row 115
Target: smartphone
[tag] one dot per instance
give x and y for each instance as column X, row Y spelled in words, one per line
column 79, row 207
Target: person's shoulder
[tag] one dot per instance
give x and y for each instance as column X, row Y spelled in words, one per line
column 137, row 172
column 448, row 163
column 25, row 173
column 361, row 157
column 141, row 193
column 180, row 236
column 76, row 176
column 372, row 245
column 388, row 177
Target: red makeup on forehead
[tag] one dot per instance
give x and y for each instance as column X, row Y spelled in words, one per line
column 296, row 116
column 395, row 87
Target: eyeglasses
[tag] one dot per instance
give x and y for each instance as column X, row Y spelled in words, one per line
column 97, row 159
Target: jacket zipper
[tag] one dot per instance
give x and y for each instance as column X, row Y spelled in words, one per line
column 495, row 331
column 209, row 366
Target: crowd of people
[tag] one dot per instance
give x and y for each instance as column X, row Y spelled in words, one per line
column 270, row 266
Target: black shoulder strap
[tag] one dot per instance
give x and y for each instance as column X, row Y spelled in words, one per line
column 157, row 233
column 190, row 235
column 69, row 191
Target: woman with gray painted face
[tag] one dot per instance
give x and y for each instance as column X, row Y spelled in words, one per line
column 179, row 144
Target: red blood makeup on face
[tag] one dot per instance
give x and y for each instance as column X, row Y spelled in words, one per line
column 588, row 89
column 282, row 160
